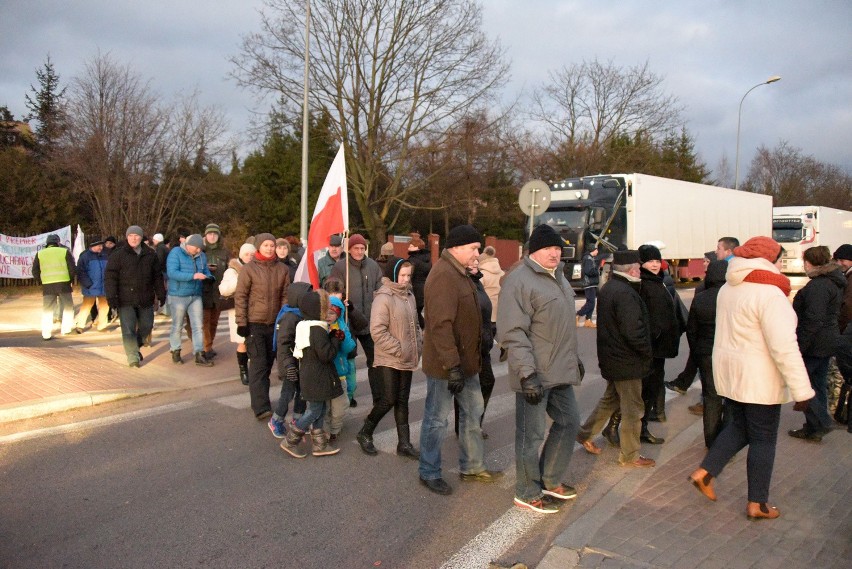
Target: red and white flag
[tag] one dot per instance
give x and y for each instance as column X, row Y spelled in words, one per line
column 331, row 215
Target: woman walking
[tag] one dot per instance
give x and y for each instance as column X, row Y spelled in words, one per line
column 399, row 345
column 227, row 288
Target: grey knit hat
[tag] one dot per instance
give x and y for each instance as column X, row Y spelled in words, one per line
column 195, row 240
column 134, row 230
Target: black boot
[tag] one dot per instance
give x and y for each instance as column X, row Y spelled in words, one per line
column 365, row 437
column 647, row 437
column 200, row 360
column 242, row 362
column 404, row 446
column 176, row 357
column 610, row 432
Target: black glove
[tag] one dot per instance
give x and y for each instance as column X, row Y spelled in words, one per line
column 337, row 333
column 801, row 405
column 582, row 368
column 243, row 331
column 456, row 381
column 292, row 373
column 531, row 389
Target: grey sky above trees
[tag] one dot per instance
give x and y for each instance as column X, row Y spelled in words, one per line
column 709, row 54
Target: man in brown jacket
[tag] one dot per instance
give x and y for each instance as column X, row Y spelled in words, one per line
column 451, row 360
column 260, row 294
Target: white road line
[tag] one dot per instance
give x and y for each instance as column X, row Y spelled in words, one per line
column 94, row 423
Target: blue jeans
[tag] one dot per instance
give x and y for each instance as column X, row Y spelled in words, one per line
column 180, row 306
column 439, row 403
column 314, row 415
column 817, row 419
column 136, row 325
column 535, row 472
column 588, row 308
column 753, row 425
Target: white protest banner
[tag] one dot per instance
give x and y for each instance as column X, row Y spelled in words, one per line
column 17, row 253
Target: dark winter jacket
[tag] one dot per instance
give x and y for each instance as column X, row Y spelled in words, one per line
column 56, row 286
column 591, row 276
column 624, row 333
column 665, row 326
column 817, row 306
column 317, row 375
column 701, row 327
column 421, row 262
column 218, row 256
column 91, row 267
column 261, row 291
column 181, row 268
column 325, row 266
column 452, row 337
column 133, row 279
column 485, row 309
column 285, row 327
column 365, row 278
column 846, row 308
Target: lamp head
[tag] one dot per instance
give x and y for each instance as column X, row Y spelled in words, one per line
column 773, row 79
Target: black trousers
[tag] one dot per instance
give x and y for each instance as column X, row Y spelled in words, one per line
column 373, row 376
column 713, row 402
column 261, row 357
column 653, row 390
column 395, row 388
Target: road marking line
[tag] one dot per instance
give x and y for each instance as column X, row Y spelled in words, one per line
column 94, row 423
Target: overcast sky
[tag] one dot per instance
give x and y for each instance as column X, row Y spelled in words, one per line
column 710, row 52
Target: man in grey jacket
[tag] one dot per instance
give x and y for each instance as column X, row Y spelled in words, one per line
column 535, row 322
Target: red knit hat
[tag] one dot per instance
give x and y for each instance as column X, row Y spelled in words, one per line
column 759, row 247
column 357, row 239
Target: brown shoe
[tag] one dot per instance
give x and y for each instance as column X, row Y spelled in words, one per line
column 697, row 409
column 761, row 511
column 703, row 480
column 640, row 462
column 590, row 446
column 589, row 324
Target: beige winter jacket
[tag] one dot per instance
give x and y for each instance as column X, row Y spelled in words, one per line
column 394, row 327
column 756, row 357
column 491, row 274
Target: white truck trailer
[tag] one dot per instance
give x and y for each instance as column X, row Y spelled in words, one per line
column 801, row 227
column 632, row 209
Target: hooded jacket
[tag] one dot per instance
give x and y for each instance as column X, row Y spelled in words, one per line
column 701, row 326
column 288, row 317
column 317, row 375
column 665, row 326
column 817, row 306
column 91, row 268
column 536, row 326
column 181, row 268
column 756, row 357
column 365, row 278
column 394, row 327
column 342, row 362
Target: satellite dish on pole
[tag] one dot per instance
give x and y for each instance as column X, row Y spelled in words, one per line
column 534, row 199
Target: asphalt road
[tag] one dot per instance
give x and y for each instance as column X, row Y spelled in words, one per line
column 190, row 479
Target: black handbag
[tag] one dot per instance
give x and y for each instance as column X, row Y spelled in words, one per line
column 841, row 414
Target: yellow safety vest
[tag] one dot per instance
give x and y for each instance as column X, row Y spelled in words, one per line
column 54, row 269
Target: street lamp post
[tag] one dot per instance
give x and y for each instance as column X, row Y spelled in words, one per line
column 772, row 79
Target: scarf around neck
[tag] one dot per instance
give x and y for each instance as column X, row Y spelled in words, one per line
column 759, row 276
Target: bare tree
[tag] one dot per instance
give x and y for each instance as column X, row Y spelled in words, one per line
column 390, row 72
column 133, row 158
column 584, row 106
column 793, row 178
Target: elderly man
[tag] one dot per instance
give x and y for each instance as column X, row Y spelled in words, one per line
column 217, row 261
column 624, row 356
column 90, row 272
column 327, row 261
column 133, row 279
column 54, row 269
column 451, row 360
column 187, row 270
column 536, row 328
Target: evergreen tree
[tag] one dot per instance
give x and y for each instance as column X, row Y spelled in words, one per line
column 46, row 107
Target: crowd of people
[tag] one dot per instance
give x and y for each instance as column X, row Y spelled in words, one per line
column 752, row 348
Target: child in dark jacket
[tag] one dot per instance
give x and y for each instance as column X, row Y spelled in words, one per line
column 700, row 333
column 288, row 365
column 316, row 346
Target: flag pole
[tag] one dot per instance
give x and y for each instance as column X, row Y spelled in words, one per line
column 304, row 201
column 346, row 252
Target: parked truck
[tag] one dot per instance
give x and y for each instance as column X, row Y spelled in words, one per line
column 801, row 227
column 685, row 218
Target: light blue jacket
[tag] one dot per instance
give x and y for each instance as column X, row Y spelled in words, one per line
column 181, row 266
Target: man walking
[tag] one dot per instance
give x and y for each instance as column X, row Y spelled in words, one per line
column 91, row 268
column 132, row 281
column 53, row 268
column 591, row 278
column 217, row 262
column 451, row 360
column 187, row 270
column 534, row 319
column 624, row 357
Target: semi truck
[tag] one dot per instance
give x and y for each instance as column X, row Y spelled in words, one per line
column 684, row 219
column 798, row 228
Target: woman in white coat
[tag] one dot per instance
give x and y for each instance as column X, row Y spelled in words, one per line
column 226, row 289
column 756, row 367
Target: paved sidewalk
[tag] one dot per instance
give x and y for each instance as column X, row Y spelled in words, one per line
column 69, row 374
column 656, row 518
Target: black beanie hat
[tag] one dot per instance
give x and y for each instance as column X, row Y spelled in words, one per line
column 314, row 304
column 625, row 257
column 392, row 267
column 462, row 235
column 649, row 253
column 544, row 236
column 844, row 252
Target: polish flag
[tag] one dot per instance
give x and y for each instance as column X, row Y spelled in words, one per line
column 331, row 215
